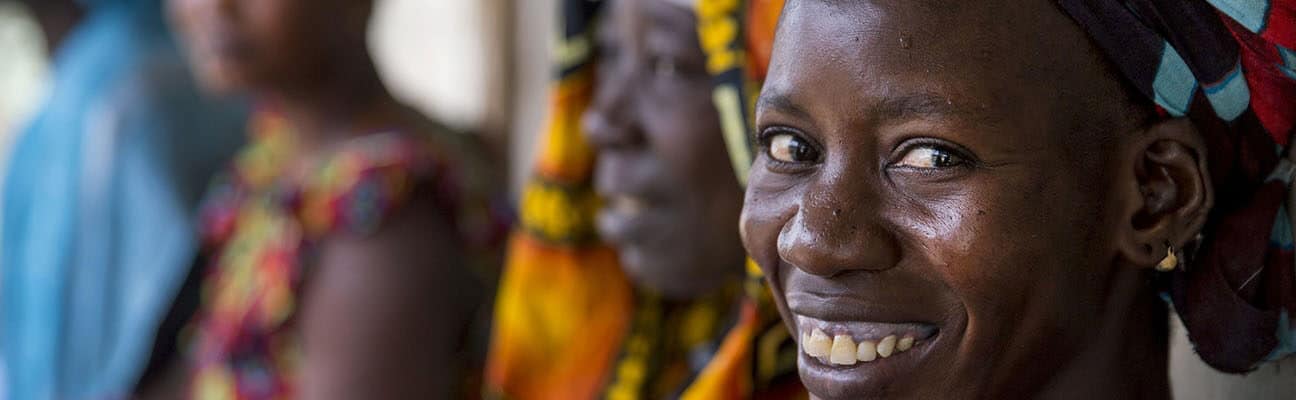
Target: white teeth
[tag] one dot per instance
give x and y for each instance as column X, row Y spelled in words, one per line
column 905, row 344
column 818, row 344
column 843, row 350
column 867, row 351
column 886, row 346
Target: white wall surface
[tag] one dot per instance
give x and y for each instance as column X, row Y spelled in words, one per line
column 441, row 56
column 535, row 30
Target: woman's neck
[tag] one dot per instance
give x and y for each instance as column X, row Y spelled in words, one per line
column 341, row 101
column 1128, row 357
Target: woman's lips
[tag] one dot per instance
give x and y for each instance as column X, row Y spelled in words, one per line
column 626, row 204
column 845, row 344
column 621, row 220
column 876, row 344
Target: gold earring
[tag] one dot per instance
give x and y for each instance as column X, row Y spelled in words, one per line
column 1170, row 262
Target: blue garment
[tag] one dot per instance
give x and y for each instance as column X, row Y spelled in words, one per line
column 100, row 200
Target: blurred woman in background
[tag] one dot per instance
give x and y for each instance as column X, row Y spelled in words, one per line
column 100, row 199
column 346, row 241
column 645, row 296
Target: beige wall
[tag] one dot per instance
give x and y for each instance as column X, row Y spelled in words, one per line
column 535, row 30
column 445, row 57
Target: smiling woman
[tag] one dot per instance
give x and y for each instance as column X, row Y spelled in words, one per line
column 671, row 205
column 945, row 209
column 628, row 280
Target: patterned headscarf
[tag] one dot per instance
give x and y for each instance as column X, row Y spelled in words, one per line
column 568, row 324
column 1228, row 65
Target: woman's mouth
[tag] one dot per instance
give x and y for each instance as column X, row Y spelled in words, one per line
column 626, row 204
column 853, row 348
column 846, row 344
column 622, row 218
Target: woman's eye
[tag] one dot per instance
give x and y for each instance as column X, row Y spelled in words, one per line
column 927, row 157
column 665, row 67
column 789, row 148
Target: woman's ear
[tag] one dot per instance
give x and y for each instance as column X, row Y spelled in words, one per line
column 1167, row 191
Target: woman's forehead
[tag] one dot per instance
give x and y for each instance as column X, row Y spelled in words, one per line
column 975, row 47
column 643, row 16
column 852, row 66
column 964, row 31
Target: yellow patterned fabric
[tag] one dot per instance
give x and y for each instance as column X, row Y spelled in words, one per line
column 568, row 323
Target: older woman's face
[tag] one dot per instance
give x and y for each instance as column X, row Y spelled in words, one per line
column 671, row 197
column 931, row 172
column 251, row 44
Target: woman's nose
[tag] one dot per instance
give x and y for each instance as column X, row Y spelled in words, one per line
column 606, row 130
column 838, row 228
column 609, row 122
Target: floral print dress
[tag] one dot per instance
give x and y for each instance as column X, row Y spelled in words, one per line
column 261, row 224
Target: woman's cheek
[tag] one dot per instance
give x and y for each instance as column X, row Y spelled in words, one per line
column 763, row 216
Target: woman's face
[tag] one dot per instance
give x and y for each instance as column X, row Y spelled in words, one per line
column 243, row 44
column 932, row 172
column 671, row 198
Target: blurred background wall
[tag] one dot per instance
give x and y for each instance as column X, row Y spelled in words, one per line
column 449, row 58
column 534, row 32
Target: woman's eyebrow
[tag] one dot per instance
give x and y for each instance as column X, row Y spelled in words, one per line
column 933, row 106
column 773, row 99
column 904, row 107
column 918, row 106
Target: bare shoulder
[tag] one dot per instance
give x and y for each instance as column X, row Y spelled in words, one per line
column 384, row 313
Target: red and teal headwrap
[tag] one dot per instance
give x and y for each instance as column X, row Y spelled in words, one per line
column 1228, row 65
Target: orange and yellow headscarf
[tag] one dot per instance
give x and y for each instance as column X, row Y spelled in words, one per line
column 566, row 317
